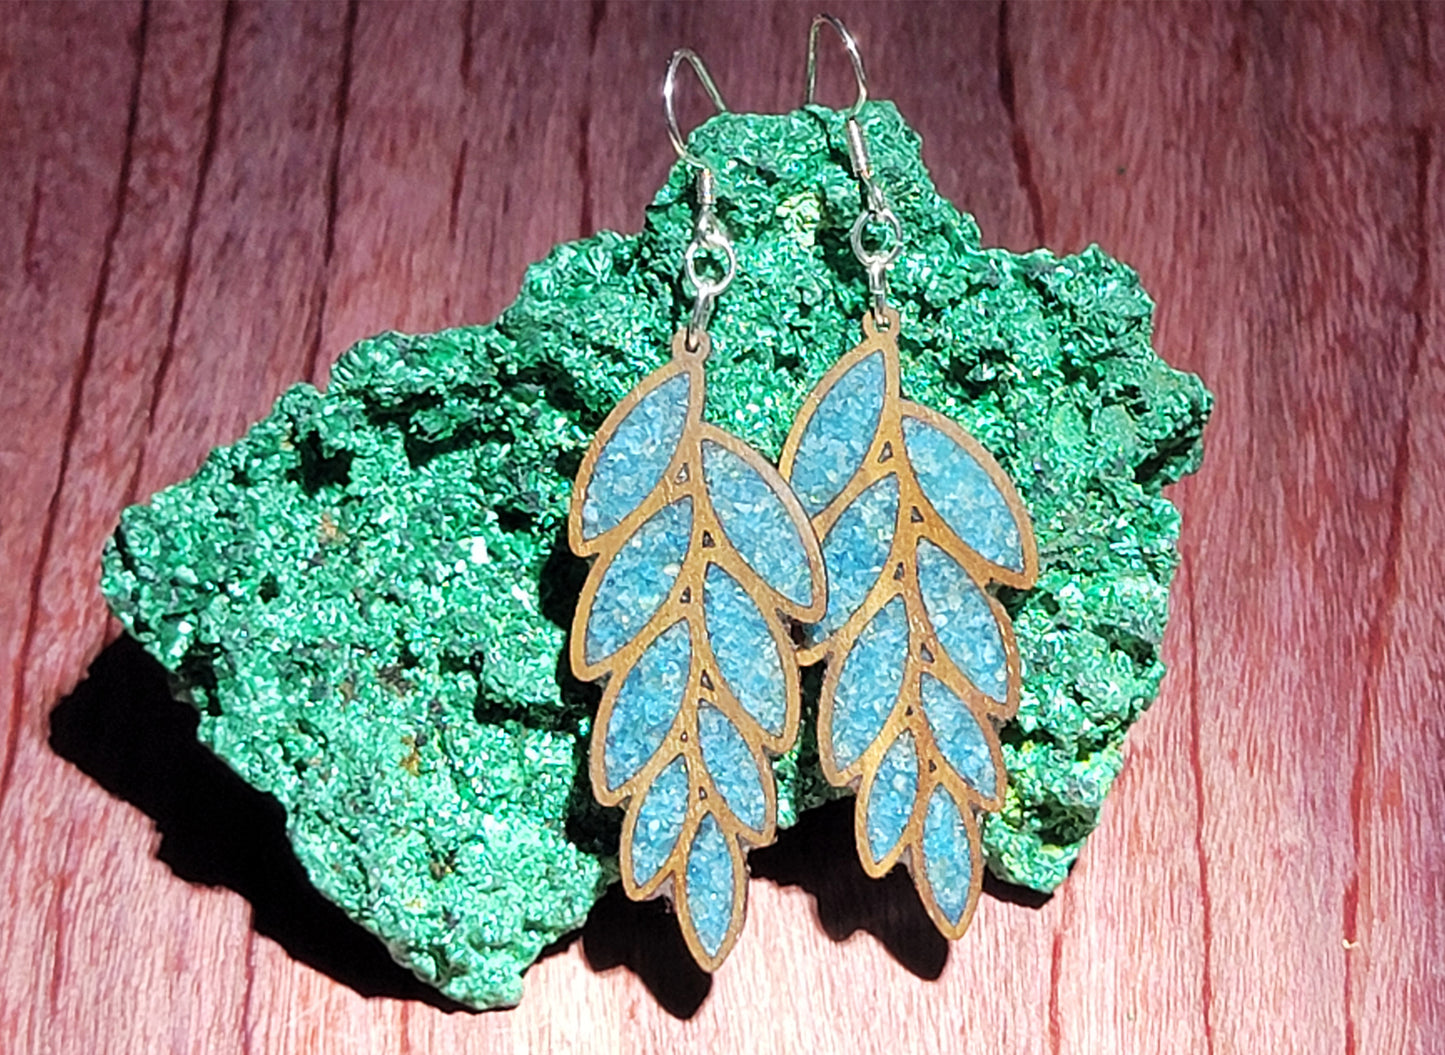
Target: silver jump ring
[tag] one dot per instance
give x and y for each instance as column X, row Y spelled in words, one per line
column 706, row 287
column 877, row 258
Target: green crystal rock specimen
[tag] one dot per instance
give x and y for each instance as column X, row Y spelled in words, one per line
column 366, row 597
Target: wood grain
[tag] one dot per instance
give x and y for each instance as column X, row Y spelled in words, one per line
column 202, row 203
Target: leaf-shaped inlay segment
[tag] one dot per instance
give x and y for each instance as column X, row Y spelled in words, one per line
column 868, row 684
column 838, row 434
column 890, row 796
column 959, row 736
column 947, row 855
column 638, row 579
column 711, row 880
column 757, row 523
column 660, row 820
column 965, row 495
column 647, row 704
column 747, row 656
column 965, row 622
column 732, row 767
column 632, row 460
column 855, row 552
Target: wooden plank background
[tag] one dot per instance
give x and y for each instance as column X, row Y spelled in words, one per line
column 201, row 203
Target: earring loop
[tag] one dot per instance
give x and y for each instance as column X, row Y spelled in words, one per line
column 669, row 87
column 853, row 54
column 709, row 235
column 876, row 209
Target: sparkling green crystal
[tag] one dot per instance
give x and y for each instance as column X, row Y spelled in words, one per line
column 366, row 596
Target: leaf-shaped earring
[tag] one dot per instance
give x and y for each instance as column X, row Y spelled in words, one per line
column 703, row 560
column 916, row 519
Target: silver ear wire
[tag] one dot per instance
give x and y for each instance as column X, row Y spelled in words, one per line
column 669, row 88
column 708, row 234
column 819, row 21
column 876, row 209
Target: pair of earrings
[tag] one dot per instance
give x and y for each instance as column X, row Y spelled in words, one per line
column 874, row 538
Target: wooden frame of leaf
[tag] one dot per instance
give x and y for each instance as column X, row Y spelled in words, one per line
column 916, row 520
column 708, row 544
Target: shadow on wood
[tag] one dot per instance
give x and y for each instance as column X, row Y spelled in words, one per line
column 122, row 729
column 644, row 937
column 818, row 855
column 1014, row 895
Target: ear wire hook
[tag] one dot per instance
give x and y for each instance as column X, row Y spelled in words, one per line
column 819, row 21
column 708, row 233
column 669, row 88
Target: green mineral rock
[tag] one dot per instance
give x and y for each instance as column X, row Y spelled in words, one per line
column 366, row 597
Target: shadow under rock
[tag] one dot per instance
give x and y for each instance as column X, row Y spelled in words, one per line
column 122, row 729
column 644, row 937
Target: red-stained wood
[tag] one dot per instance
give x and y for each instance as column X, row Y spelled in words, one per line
column 201, row 204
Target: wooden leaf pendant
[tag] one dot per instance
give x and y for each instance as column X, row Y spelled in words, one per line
column 703, row 559
column 916, row 519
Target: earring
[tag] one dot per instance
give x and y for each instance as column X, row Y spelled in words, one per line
column 703, row 559
column 916, row 519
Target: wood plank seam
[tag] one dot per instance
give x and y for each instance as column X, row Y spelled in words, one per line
column 1185, row 582
column 1023, row 156
column 183, row 269
column 1367, row 734
column 73, row 408
column 333, row 190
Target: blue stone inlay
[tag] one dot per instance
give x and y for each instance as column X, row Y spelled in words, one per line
column 963, row 493
column 963, row 620
column 634, row 459
column 869, row 683
column 747, row 656
column 890, row 800
column 757, row 523
column 731, row 764
column 856, row 552
column 647, row 704
column 839, row 434
column 959, row 736
column 947, row 855
column 638, row 579
column 710, row 885
column 659, row 821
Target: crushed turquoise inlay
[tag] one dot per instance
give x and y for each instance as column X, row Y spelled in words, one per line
column 959, row 736
column 731, row 764
column 659, row 821
column 747, row 656
column 966, row 626
column 638, row 579
column 856, row 551
column 964, row 494
column 838, row 434
column 947, row 856
column 647, row 704
column 757, row 523
column 710, row 884
column 890, row 801
column 634, row 459
column 869, row 683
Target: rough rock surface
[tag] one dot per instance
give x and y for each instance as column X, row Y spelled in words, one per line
column 365, row 597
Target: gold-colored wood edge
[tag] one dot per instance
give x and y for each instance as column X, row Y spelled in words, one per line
column 887, row 454
column 708, row 543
